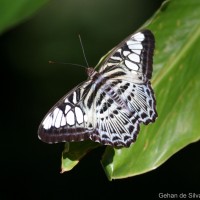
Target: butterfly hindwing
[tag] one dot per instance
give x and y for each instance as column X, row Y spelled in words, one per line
column 118, row 116
column 115, row 124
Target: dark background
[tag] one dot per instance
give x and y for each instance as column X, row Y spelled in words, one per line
column 30, row 86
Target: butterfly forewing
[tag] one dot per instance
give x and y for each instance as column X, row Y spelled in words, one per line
column 134, row 54
column 109, row 107
column 68, row 119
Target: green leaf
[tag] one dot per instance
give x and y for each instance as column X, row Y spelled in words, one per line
column 73, row 152
column 176, row 82
column 14, row 12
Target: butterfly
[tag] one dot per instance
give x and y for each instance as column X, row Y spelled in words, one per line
column 110, row 106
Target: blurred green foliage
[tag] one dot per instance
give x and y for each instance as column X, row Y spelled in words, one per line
column 15, row 12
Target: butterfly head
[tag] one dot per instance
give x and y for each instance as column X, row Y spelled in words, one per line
column 91, row 72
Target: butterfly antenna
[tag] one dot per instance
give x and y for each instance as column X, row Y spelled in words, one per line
column 83, row 50
column 65, row 63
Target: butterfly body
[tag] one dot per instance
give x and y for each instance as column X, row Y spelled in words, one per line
column 109, row 107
